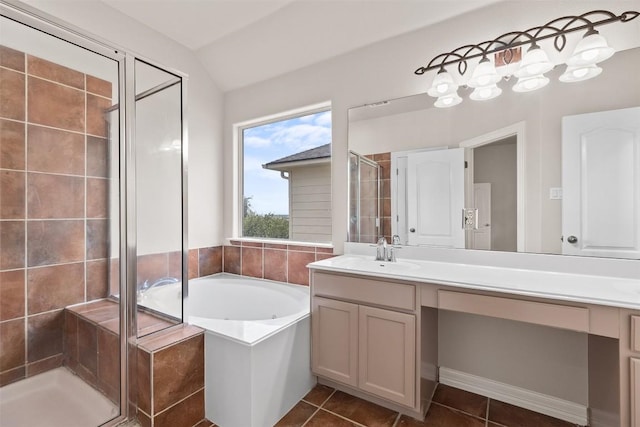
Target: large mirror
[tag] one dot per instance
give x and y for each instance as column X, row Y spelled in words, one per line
column 520, row 160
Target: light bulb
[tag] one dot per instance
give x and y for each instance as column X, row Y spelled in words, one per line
column 448, row 101
column 593, row 48
column 535, row 62
column 580, row 73
column 485, row 74
column 485, row 93
column 528, row 84
column 443, row 84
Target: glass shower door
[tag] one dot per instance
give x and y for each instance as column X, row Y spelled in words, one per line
column 59, row 226
column 159, row 197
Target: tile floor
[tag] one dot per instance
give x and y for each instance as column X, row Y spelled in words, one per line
column 451, row 407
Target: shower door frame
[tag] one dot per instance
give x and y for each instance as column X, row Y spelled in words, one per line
column 49, row 24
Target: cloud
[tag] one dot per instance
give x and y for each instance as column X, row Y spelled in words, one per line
column 293, row 135
column 302, row 137
column 323, row 119
column 256, row 141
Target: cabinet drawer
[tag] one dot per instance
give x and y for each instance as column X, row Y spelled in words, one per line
column 635, row 334
column 559, row 316
column 367, row 291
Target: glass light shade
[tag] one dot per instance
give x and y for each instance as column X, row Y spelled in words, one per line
column 535, row 62
column 593, row 48
column 447, row 101
column 485, row 93
column 579, row 73
column 528, row 84
column 442, row 85
column 484, row 74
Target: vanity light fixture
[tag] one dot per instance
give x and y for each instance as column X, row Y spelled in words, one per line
column 581, row 64
column 579, row 73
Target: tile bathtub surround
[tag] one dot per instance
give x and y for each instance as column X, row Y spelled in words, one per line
column 324, row 406
column 54, row 210
column 170, row 378
column 91, row 346
column 272, row 261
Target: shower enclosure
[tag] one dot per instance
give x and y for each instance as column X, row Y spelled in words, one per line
column 364, row 199
column 92, row 214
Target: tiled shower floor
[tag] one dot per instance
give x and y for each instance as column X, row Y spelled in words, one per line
column 54, row 398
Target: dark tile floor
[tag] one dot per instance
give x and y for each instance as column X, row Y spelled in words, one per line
column 451, row 407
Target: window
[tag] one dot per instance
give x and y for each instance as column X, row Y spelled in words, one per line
column 286, row 176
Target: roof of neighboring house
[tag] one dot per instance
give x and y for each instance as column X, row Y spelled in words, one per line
column 321, row 152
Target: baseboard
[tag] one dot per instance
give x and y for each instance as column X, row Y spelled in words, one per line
column 538, row 402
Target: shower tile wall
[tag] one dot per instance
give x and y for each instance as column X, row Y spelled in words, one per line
column 384, row 160
column 53, row 206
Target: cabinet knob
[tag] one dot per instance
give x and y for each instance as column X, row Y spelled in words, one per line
column 413, row 230
column 572, row 239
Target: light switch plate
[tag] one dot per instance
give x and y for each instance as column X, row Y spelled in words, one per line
column 555, row 193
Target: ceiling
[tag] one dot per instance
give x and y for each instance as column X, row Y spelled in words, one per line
column 241, row 42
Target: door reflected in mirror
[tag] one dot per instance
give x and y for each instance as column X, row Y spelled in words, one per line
column 515, row 167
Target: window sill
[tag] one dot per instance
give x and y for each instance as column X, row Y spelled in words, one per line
column 228, row 241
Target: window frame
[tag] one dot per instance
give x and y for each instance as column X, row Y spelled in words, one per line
column 238, row 178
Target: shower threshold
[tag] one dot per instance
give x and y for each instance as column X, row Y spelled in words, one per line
column 54, row 398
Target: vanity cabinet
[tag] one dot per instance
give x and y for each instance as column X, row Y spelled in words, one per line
column 364, row 339
column 635, row 391
column 334, row 328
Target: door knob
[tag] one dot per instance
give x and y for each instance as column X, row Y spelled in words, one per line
column 572, row 239
column 413, row 230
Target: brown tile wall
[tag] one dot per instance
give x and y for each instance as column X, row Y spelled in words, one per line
column 384, row 160
column 53, row 215
column 91, row 345
column 170, row 378
column 281, row 262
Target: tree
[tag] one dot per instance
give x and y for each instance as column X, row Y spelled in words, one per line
column 267, row 225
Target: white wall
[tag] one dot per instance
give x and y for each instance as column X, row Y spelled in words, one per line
column 385, row 71
column 378, row 72
column 204, row 108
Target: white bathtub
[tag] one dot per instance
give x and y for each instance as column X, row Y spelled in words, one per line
column 257, row 344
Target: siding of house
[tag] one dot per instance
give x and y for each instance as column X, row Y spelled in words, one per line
column 310, row 203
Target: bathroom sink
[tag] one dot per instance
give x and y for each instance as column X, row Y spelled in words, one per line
column 367, row 264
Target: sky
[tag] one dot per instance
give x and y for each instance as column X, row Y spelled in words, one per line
column 263, row 144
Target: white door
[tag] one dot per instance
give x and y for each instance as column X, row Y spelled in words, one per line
column 482, row 203
column 601, row 184
column 435, row 198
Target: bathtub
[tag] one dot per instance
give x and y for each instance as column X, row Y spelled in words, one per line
column 257, row 344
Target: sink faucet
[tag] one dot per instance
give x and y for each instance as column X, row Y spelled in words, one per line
column 381, row 249
column 391, row 250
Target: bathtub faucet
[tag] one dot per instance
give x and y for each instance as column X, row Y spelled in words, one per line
column 146, row 285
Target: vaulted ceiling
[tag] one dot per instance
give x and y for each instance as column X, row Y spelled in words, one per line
column 241, row 42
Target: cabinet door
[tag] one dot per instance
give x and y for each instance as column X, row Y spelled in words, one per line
column 635, row 392
column 335, row 340
column 387, row 351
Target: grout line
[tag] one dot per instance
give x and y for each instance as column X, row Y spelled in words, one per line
column 458, row 410
column 395, row 423
column 344, row 418
column 327, row 399
column 311, row 417
column 487, row 414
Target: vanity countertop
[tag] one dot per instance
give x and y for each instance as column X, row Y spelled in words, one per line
column 591, row 289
